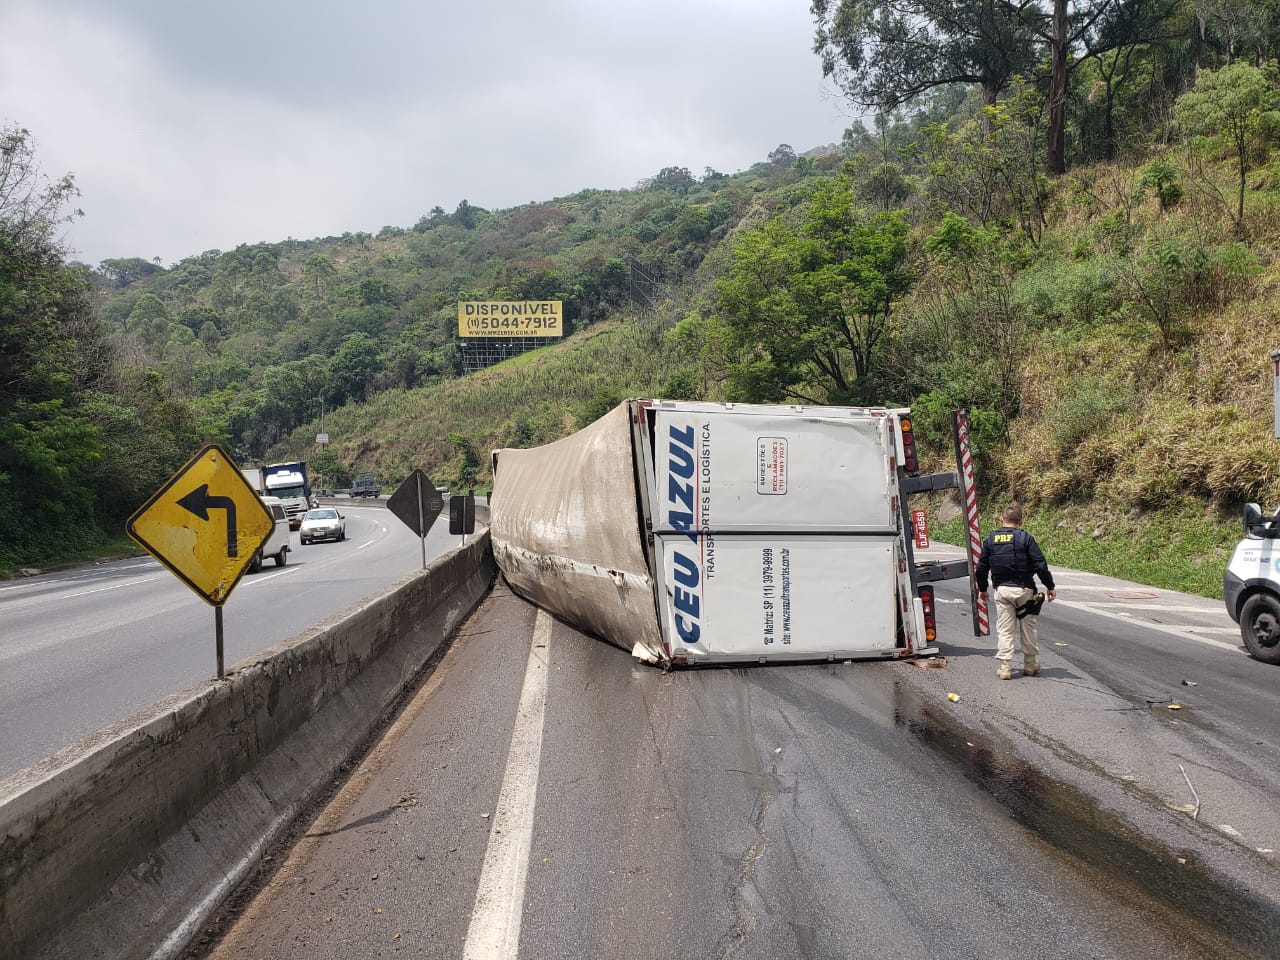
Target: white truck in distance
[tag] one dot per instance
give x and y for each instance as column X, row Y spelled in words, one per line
column 710, row 532
column 289, row 482
column 254, row 476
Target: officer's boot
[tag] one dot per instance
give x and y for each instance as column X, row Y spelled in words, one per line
column 1030, row 668
column 1004, row 671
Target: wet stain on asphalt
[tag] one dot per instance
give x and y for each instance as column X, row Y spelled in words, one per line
column 1222, row 918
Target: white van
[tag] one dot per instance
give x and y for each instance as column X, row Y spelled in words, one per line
column 277, row 544
column 1251, row 585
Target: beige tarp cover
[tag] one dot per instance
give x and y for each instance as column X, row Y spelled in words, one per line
column 566, row 534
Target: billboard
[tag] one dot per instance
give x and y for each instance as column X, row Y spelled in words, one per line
column 510, row 318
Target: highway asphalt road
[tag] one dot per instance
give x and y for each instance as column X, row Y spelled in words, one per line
column 544, row 796
column 82, row 648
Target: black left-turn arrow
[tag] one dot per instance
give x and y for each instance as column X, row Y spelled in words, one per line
column 200, row 503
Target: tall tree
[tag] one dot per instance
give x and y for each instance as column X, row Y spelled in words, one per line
column 74, row 438
column 31, row 205
column 1115, row 46
column 47, row 450
column 811, row 300
column 885, row 54
column 1061, row 25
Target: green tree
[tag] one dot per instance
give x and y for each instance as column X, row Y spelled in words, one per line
column 353, row 368
column 813, row 299
column 319, row 272
column 988, row 169
column 74, row 423
column 31, row 205
column 1120, row 50
column 673, row 179
column 467, row 460
column 149, row 321
column 884, row 55
column 123, row 272
column 48, row 448
column 783, row 155
column 465, row 215
column 968, row 332
column 1232, row 105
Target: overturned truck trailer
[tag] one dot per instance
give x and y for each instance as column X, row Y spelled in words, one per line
column 714, row 532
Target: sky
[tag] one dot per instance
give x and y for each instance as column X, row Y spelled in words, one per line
column 196, row 126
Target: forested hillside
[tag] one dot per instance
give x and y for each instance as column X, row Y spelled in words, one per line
column 1067, row 224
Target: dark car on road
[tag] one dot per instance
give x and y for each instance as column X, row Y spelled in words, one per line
column 365, row 487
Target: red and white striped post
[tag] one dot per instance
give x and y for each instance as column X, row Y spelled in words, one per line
column 969, row 491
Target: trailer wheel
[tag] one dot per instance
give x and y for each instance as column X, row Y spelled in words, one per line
column 1260, row 627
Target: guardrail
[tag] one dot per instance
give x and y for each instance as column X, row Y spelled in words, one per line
column 122, row 845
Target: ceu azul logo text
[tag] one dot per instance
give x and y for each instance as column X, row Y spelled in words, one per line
column 686, row 572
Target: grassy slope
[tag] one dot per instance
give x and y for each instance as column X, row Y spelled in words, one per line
column 1136, row 457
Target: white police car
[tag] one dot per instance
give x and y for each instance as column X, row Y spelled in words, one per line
column 1251, row 585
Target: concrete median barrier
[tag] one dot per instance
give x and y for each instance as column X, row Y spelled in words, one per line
column 120, row 846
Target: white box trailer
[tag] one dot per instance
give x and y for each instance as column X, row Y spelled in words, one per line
column 714, row 532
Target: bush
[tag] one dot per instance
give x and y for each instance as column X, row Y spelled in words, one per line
column 1059, row 291
column 1161, row 177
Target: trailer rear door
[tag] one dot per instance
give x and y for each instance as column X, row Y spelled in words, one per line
column 776, row 530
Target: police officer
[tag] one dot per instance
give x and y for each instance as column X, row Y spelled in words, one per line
column 1011, row 557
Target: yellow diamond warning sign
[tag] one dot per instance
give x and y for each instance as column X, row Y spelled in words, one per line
column 206, row 524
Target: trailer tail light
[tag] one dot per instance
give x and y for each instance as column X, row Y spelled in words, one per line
column 926, row 606
column 909, row 461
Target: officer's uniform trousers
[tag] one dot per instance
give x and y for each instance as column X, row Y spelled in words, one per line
column 1009, row 629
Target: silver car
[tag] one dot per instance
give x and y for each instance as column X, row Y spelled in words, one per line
column 325, row 523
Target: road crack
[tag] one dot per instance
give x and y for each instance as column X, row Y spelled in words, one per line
column 746, row 919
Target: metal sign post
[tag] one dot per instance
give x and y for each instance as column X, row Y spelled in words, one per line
column 422, row 540
column 217, row 632
column 1275, row 389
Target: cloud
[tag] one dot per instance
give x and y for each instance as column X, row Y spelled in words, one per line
column 237, row 122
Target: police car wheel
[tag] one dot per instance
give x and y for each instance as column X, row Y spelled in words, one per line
column 1260, row 627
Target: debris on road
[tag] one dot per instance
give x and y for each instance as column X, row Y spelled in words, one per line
column 1195, row 813
column 929, row 663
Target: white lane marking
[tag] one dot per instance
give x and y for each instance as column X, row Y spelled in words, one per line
column 494, row 933
column 1103, row 587
column 1182, row 632
column 1164, row 607
column 21, row 603
column 269, row 576
column 116, row 586
column 93, row 574
column 369, row 543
